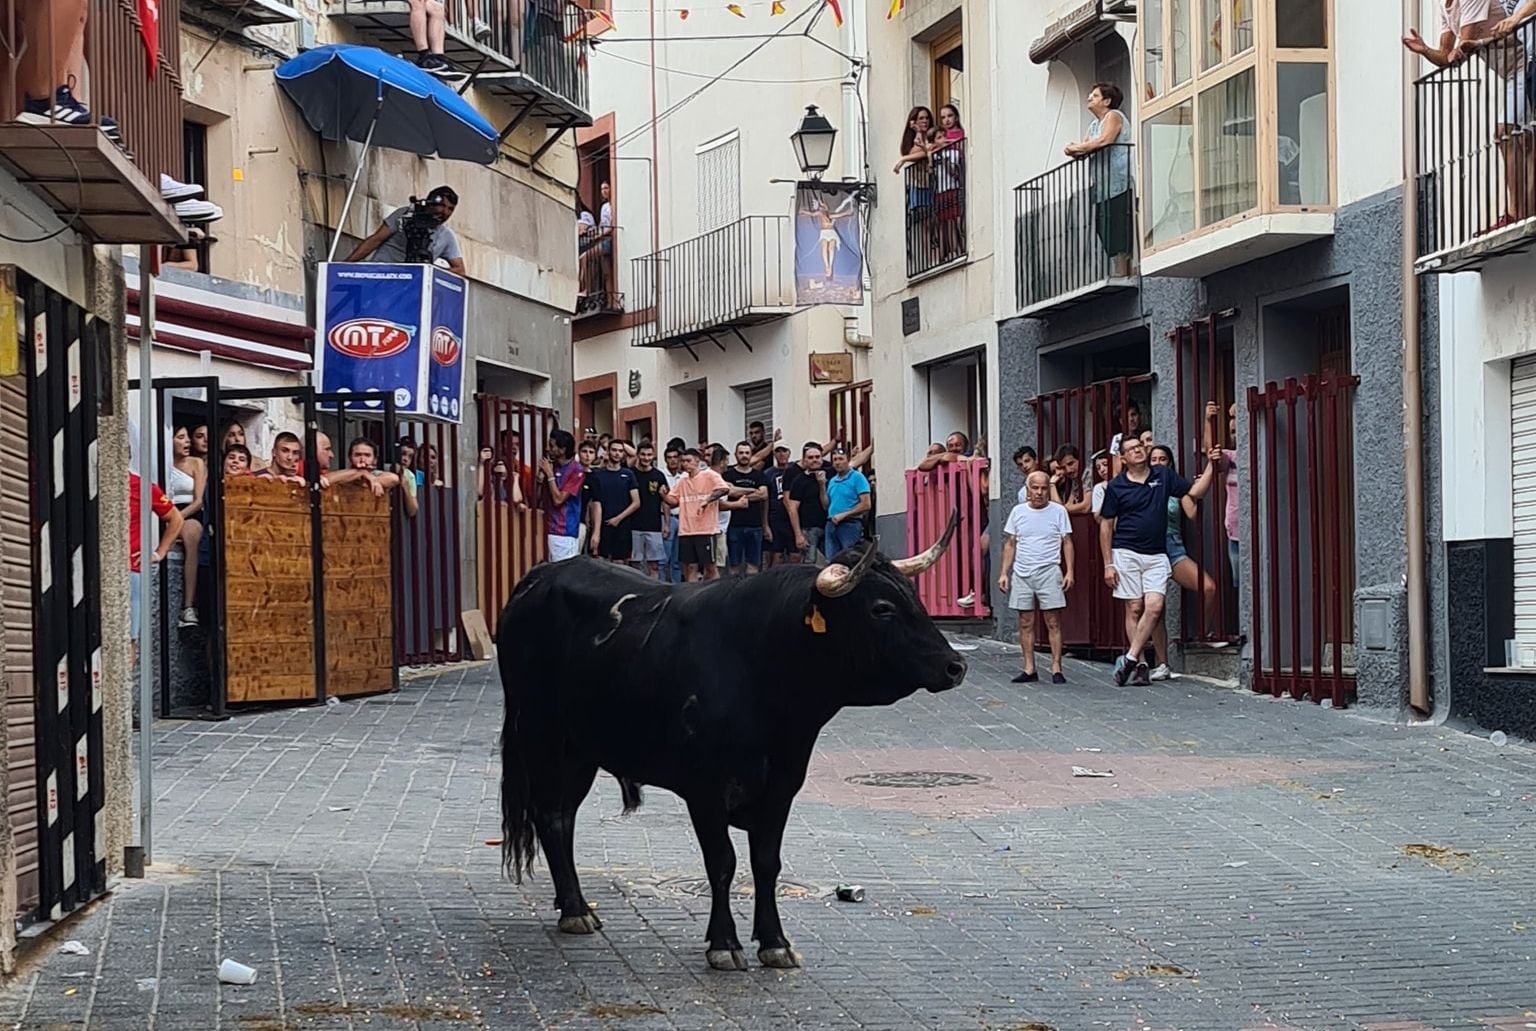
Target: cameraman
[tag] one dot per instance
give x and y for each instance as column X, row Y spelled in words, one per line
column 390, row 242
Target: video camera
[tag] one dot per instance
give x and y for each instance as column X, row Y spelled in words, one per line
column 418, row 226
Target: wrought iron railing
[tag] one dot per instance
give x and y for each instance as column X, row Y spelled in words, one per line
column 544, row 39
column 1075, row 227
column 1476, row 177
column 936, row 209
column 729, row 276
column 117, row 70
column 597, row 253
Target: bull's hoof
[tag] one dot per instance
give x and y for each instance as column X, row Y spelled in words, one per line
column 780, row 959
column 726, row 959
column 586, row 923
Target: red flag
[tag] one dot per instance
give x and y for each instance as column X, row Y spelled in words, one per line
column 837, row 12
column 149, row 28
column 683, row 14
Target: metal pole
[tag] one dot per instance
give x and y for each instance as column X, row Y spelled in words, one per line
column 341, row 223
column 147, row 265
column 1413, row 398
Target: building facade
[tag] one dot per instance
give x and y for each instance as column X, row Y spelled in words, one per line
column 689, row 324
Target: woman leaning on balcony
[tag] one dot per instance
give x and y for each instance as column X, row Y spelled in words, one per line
column 1111, row 173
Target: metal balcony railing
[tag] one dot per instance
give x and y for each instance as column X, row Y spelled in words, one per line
column 1075, row 229
column 734, row 276
column 936, row 210
column 1477, row 154
column 597, row 252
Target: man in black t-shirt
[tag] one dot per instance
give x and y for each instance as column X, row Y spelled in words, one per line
column 615, row 497
column 778, row 535
column 649, row 525
column 744, row 537
column 805, row 501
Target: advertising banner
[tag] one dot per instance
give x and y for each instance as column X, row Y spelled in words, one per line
column 829, row 244
column 392, row 327
column 445, row 376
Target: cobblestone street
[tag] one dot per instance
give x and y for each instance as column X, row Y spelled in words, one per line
column 1250, row 864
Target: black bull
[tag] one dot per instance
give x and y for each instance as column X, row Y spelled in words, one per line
column 715, row 691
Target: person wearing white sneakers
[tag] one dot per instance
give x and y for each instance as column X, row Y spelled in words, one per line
column 187, row 200
column 51, row 60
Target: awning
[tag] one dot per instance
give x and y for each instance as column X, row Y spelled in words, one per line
column 1066, row 30
column 252, row 332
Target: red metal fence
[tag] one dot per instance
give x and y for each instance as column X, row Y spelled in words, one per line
column 963, row 574
column 1301, row 480
column 849, row 411
column 428, row 577
column 1203, row 372
column 511, row 535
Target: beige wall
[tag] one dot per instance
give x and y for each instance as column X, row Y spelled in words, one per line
column 957, row 304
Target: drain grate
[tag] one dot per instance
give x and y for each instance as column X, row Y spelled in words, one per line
column 916, row 779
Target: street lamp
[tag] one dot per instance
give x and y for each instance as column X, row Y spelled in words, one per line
column 813, row 143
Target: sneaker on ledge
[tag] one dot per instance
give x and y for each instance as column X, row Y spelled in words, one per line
column 174, row 190
column 188, row 618
column 65, row 99
column 198, row 212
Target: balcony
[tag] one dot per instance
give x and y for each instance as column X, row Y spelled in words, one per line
column 530, row 53
column 936, row 222
column 1075, row 231
column 1476, row 179
column 109, row 194
column 597, row 251
column 235, row 15
column 736, row 276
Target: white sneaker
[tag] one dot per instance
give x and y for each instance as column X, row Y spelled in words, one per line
column 1162, row 672
column 175, row 190
column 966, row 601
column 188, row 618
column 198, row 211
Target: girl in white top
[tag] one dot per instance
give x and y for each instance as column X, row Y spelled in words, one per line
column 187, row 479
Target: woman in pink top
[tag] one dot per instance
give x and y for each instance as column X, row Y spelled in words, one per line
column 948, row 160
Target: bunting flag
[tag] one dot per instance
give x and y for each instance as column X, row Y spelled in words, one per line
column 736, row 10
column 837, row 12
column 683, row 14
column 778, row 8
column 896, row 6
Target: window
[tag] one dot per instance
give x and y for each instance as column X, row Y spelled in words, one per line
column 1225, row 133
column 719, row 182
column 947, row 55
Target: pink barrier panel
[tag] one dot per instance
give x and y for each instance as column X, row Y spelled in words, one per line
column 962, row 572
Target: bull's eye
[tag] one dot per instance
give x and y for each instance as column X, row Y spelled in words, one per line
column 883, row 609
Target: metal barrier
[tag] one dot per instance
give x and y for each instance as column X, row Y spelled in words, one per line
column 554, row 48
column 1204, row 372
column 511, row 538
column 722, row 278
column 963, row 574
column 429, row 567
column 850, row 417
column 936, row 209
column 1475, row 141
column 1301, row 481
column 1075, row 227
column 597, row 251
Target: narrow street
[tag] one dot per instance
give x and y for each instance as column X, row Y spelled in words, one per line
column 1250, row 864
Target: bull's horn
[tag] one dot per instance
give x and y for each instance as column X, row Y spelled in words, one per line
column 837, row 579
column 924, row 562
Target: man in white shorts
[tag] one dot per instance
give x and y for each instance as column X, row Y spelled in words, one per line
column 1133, row 538
column 1036, row 543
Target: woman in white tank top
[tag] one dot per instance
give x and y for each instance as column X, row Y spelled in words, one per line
column 186, row 480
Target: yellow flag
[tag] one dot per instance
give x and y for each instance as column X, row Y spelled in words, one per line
column 778, row 8
column 736, row 10
column 896, row 6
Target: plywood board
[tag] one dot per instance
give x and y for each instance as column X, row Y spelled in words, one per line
column 269, row 607
column 359, row 584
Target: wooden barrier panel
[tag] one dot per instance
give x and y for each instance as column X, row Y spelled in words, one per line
column 359, row 613
column 269, row 610
column 512, row 542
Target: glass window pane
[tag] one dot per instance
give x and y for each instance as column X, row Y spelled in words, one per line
column 1242, row 26
column 1168, row 197
column 1303, row 135
column 1301, row 23
column 1152, row 47
column 1178, row 13
column 1229, row 167
column 1210, row 34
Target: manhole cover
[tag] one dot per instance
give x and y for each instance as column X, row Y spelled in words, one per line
column 916, row 779
column 698, row 887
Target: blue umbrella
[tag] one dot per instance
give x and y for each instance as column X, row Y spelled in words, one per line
column 363, row 94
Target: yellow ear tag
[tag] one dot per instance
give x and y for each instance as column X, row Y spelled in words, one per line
column 815, row 621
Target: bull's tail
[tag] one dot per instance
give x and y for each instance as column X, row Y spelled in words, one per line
column 519, row 845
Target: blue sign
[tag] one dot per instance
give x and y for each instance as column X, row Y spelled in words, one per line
column 445, row 374
column 392, row 327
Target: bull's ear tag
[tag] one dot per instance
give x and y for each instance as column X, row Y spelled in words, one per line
column 815, row 621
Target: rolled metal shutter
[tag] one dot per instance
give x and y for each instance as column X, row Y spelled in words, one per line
column 16, row 636
column 758, row 400
column 1522, row 408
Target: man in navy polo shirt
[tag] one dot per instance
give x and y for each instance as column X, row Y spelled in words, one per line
column 1133, row 537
